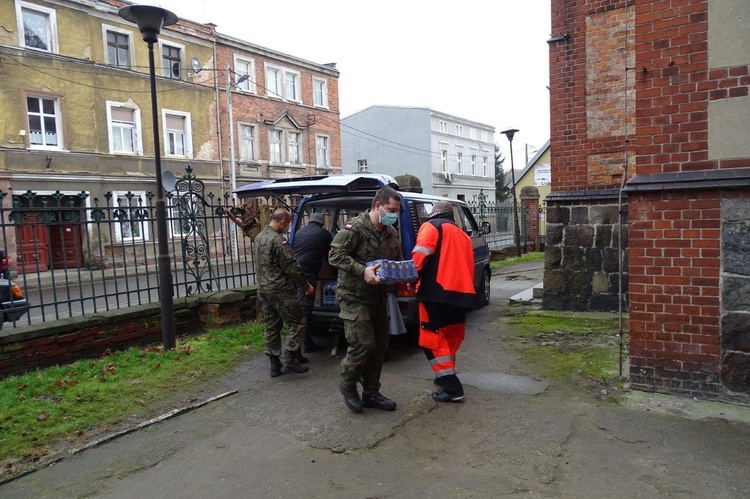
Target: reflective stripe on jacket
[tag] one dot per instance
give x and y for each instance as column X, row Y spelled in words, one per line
column 445, row 260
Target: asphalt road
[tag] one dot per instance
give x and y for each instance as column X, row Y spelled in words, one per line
column 514, row 435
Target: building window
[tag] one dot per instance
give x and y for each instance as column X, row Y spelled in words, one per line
column 484, row 136
column 443, row 160
column 130, row 216
column 273, row 84
column 320, row 93
column 459, row 159
column 295, row 156
column 291, row 86
column 171, row 60
column 244, row 67
column 473, row 164
column 177, row 135
column 124, row 126
column 484, row 166
column 247, row 142
column 322, row 156
column 44, row 121
column 460, row 130
column 362, row 165
column 443, row 127
column 38, row 25
column 275, row 143
column 472, row 134
column 289, row 89
column 117, row 47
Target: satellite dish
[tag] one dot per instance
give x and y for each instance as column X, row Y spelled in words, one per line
column 195, row 64
column 167, row 181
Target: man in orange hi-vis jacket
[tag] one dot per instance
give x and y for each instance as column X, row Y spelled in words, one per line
column 445, row 292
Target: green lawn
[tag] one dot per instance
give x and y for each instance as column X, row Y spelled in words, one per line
column 40, row 408
column 535, row 256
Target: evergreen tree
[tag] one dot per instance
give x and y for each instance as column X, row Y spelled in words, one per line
column 502, row 192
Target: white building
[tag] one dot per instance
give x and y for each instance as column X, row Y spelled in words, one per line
column 452, row 157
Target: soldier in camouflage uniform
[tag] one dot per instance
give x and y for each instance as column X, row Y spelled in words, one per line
column 363, row 298
column 276, row 270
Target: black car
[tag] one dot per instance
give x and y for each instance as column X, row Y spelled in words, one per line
column 13, row 304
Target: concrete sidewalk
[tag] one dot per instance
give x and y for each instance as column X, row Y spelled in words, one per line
column 292, row 437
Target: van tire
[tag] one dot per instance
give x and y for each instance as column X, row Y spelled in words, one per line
column 483, row 293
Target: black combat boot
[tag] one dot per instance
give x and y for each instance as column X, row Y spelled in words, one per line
column 301, row 358
column 290, row 364
column 351, row 398
column 275, row 366
column 378, row 401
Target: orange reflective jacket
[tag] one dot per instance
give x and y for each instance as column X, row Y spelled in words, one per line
column 445, row 260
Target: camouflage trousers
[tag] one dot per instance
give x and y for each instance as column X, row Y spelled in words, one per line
column 368, row 339
column 277, row 308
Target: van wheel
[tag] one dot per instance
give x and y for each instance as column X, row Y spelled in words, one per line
column 483, row 292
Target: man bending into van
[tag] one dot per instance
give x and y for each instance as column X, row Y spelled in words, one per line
column 445, row 292
column 362, row 298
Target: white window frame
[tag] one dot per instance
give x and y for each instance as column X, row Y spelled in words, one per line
column 484, row 166
column 188, row 133
column 253, row 143
column 323, row 154
column 51, row 25
column 294, row 148
column 137, row 136
column 459, row 160
column 473, row 164
column 460, row 130
column 119, row 237
column 131, row 49
column 58, row 122
column 167, row 72
column 443, row 126
column 443, row 157
column 248, row 85
column 472, row 133
column 297, row 86
column 276, row 91
column 483, row 136
column 280, row 91
column 324, row 91
column 275, row 147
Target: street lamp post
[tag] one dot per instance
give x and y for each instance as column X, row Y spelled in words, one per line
column 232, row 174
column 510, row 132
column 150, row 21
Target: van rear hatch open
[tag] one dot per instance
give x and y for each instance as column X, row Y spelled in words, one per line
column 316, row 184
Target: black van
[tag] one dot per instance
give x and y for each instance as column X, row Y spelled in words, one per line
column 343, row 197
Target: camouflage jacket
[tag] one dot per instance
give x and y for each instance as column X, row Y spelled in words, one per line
column 356, row 244
column 275, row 266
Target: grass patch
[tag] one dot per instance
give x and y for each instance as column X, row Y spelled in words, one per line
column 569, row 346
column 534, row 256
column 40, row 408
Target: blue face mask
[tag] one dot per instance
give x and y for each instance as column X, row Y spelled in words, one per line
column 388, row 218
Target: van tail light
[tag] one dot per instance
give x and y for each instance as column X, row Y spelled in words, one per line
column 403, row 290
column 17, row 294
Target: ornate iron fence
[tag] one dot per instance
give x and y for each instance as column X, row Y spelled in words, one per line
column 500, row 216
column 77, row 255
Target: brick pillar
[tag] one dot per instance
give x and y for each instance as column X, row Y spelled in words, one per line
column 530, row 201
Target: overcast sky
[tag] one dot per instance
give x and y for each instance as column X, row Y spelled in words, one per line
column 483, row 60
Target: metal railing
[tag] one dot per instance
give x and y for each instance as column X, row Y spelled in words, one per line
column 500, row 216
column 75, row 255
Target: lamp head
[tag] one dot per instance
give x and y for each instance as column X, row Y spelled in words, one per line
column 150, row 20
column 510, row 132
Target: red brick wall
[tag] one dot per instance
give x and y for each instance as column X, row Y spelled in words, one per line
column 587, row 93
column 674, row 291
